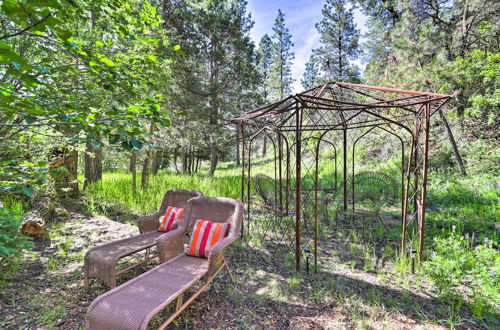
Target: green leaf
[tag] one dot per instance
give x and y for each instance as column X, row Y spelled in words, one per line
column 107, row 61
column 4, row 45
column 30, row 119
column 177, row 47
column 99, row 43
column 136, row 144
column 28, row 191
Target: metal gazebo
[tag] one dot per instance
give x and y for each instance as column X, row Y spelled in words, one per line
column 322, row 125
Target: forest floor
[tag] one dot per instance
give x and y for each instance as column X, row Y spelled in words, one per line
column 352, row 288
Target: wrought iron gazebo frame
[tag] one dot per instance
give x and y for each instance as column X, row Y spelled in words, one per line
column 341, row 107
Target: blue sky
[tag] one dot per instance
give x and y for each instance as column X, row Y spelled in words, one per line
column 300, row 18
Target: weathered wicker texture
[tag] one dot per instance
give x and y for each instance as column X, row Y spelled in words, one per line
column 133, row 304
column 101, row 260
column 173, row 197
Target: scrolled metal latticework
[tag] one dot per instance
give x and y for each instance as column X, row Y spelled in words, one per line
column 320, row 129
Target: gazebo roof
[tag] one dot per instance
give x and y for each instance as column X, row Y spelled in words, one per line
column 348, row 102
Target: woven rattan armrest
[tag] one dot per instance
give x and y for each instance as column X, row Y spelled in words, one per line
column 216, row 256
column 149, row 222
column 170, row 244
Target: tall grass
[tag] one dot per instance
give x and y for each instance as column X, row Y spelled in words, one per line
column 117, row 188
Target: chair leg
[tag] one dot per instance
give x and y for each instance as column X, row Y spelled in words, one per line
column 86, row 282
column 229, row 271
column 178, row 305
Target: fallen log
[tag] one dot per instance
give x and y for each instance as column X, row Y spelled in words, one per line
column 34, row 222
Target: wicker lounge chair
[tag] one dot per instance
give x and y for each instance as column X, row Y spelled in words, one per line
column 101, row 261
column 133, row 304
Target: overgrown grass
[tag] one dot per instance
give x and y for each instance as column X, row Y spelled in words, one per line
column 117, row 188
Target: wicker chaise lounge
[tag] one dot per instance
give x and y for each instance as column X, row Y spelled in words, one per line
column 101, row 261
column 133, row 304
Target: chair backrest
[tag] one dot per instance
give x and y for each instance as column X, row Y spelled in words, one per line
column 217, row 209
column 265, row 186
column 178, row 198
column 376, row 187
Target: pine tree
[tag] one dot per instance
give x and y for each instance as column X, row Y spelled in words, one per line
column 311, row 76
column 339, row 39
column 264, row 63
column 219, row 59
column 281, row 70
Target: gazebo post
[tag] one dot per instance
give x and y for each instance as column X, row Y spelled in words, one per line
column 425, row 166
column 243, row 175
column 345, row 166
column 298, row 160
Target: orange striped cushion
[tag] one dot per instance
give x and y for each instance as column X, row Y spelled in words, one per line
column 205, row 235
column 172, row 215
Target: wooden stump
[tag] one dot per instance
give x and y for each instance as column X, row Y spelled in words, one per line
column 34, row 222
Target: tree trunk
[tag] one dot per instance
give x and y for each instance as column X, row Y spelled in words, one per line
column 264, row 147
column 34, row 222
column 214, row 159
column 93, row 165
column 157, row 159
column 454, row 147
column 184, row 161
column 238, row 162
column 64, row 170
column 147, row 167
column 175, row 161
column 133, row 170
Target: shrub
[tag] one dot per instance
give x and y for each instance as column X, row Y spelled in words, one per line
column 457, row 266
column 12, row 243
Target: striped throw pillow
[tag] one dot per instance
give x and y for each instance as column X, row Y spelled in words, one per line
column 205, row 235
column 172, row 215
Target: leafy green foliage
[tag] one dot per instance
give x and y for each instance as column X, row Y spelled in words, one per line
column 478, row 75
column 80, row 72
column 456, row 263
column 12, row 243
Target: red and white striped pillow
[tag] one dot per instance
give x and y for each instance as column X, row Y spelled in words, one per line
column 172, row 215
column 205, row 235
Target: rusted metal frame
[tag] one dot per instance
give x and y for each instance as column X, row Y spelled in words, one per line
column 275, row 170
column 278, row 212
column 388, row 120
column 392, row 90
column 418, row 124
column 343, row 123
column 407, row 189
column 248, row 180
column 243, row 174
column 402, row 166
column 287, row 182
column 439, row 106
column 280, row 175
column 298, row 183
column 353, row 162
column 375, row 97
column 382, row 103
column 371, row 122
column 274, row 111
column 286, row 120
column 424, row 181
column 345, row 105
column 268, row 107
column 316, row 194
